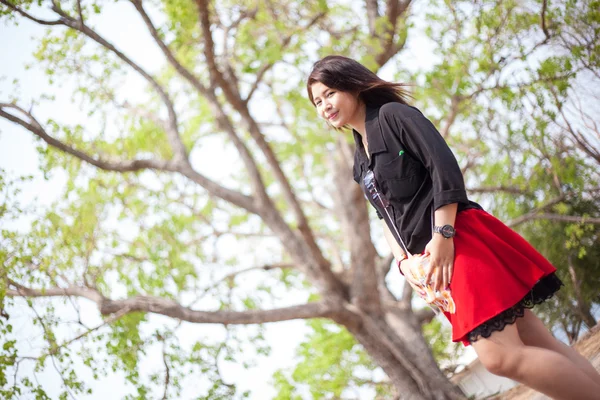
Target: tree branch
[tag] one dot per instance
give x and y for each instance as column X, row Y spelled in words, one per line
column 80, row 12
column 233, row 275
column 372, row 15
column 543, row 20
column 173, row 130
column 533, row 214
column 221, row 117
column 173, row 309
column 114, row 317
column 212, row 187
column 394, row 9
column 119, row 166
column 285, row 42
column 451, row 118
column 320, row 268
column 494, row 189
column 167, row 371
column 217, row 77
column 588, row 148
column 29, row 16
column 184, row 72
column 564, row 218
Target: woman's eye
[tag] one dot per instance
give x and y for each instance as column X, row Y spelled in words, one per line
column 330, row 94
column 318, row 103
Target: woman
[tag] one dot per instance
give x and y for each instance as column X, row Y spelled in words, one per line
column 494, row 275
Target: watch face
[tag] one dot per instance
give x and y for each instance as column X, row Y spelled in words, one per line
column 447, row 231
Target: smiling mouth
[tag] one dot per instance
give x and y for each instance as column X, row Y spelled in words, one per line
column 333, row 116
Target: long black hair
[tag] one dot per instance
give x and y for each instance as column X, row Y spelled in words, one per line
column 347, row 75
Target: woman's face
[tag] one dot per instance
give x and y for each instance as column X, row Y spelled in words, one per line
column 338, row 108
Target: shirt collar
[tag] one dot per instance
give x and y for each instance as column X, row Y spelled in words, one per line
column 374, row 133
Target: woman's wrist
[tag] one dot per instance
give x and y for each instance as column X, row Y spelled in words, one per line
column 402, row 258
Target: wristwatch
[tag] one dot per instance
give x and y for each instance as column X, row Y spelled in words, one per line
column 446, row 231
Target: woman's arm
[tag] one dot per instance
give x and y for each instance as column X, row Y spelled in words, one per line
column 441, row 250
column 397, row 251
column 446, row 215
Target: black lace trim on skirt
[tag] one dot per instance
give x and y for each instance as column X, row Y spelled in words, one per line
column 542, row 291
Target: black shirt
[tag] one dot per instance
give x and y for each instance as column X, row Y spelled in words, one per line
column 414, row 168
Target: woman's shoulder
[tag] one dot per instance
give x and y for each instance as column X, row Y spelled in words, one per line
column 398, row 110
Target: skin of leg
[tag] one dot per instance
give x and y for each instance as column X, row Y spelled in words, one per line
column 533, row 332
column 546, row 371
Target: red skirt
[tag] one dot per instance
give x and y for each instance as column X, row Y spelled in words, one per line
column 495, row 270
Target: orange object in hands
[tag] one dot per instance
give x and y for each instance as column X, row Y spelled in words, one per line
column 416, row 267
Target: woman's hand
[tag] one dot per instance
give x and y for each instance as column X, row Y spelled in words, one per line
column 441, row 261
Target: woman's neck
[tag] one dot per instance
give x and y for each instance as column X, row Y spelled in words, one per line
column 358, row 120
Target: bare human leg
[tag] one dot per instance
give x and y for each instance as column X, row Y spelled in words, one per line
column 546, row 371
column 533, row 332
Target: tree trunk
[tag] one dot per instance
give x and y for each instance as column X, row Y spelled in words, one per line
column 585, row 312
column 408, row 328
column 400, row 350
column 583, row 307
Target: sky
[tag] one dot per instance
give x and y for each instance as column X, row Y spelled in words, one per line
column 18, row 156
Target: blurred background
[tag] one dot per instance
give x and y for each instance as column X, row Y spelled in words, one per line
column 177, row 223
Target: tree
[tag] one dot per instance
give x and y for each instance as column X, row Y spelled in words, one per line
column 220, row 59
column 139, row 230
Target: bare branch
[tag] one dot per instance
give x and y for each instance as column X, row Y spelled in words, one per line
column 222, row 119
column 233, row 275
column 29, row 16
column 217, row 77
column 114, row 317
column 494, row 189
column 173, row 309
column 372, row 15
column 532, row 214
column 239, row 199
column 120, row 166
column 80, row 12
column 184, row 72
column 259, row 76
column 497, row 86
column 212, row 187
column 451, row 118
column 390, row 45
column 564, row 218
column 543, row 20
column 167, row 371
column 173, row 131
column 285, row 42
column 320, row 268
column 145, row 114
column 234, row 25
column 579, row 139
column 51, row 340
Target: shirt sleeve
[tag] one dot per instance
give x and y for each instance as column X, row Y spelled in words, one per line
column 424, row 141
